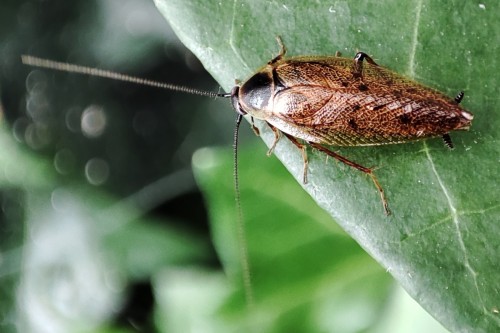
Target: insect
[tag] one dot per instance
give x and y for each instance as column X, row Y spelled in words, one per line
column 338, row 101
column 322, row 101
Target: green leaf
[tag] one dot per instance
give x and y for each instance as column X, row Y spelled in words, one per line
column 306, row 272
column 65, row 234
column 441, row 243
column 19, row 167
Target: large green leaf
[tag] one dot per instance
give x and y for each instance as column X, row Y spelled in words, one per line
column 441, row 243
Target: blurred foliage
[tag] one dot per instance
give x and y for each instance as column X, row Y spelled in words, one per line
column 96, row 188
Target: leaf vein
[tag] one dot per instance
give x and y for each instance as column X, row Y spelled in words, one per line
column 456, row 222
column 414, row 40
column 231, row 37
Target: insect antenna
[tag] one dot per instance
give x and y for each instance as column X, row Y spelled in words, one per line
column 66, row 67
column 245, row 263
column 72, row 68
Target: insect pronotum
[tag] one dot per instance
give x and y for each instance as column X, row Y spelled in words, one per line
column 328, row 101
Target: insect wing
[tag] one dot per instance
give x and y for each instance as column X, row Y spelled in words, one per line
column 326, row 116
column 324, row 102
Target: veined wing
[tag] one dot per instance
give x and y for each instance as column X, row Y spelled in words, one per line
column 348, row 117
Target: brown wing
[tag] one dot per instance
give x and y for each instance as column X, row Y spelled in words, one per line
column 324, row 103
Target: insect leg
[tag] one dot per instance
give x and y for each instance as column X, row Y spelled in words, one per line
column 358, row 63
column 254, row 128
column 303, row 150
column 361, row 168
column 277, row 137
column 360, row 56
column 302, row 147
column 459, row 97
column 447, row 140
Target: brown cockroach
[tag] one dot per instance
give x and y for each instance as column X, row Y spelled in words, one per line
column 336, row 101
column 329, row 101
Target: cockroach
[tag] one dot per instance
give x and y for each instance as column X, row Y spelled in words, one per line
column 322, row 101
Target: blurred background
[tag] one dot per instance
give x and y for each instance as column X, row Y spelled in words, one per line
column 76, row 150
column 103, row 227
column 115, row 131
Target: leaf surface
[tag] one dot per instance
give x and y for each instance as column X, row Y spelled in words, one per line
column 441, row 243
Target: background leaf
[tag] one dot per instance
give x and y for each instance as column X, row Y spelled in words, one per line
column 308, row 275
column 441, row 241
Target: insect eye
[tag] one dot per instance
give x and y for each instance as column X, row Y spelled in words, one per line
column 235, row 100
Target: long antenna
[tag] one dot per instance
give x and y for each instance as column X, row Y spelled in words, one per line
column 66, row 67
column 245, row 264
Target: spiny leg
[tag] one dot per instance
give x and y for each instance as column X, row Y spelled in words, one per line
column 277, row 137
column 447, row 140
column 361, row 168
column 358, row 63
column 459, row 97
column 254, row 128
column 303, row 149
column 360, row 56
column 446, row 137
